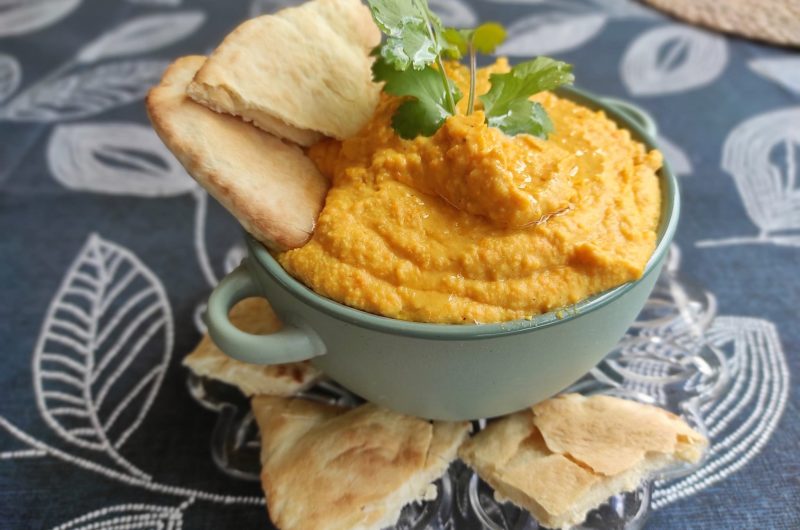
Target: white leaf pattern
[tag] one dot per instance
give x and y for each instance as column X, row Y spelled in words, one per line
column 234, row 257
column 10, row 75
column 115, row 158
column 624, row 8
column 551, row 33
column 126, row 158
column 103, row 349
column 84, row 93
column 675, row 157
column 742, row 421
column 612, row 8
column 769, row 191
column 129, row 517
column 198, row 317
column 673, row 58
column 142, row 34
column 18, row 17
column 742, row 390
column 762, row 155
column 160, row 3
column 785, row 71
column 454, row 13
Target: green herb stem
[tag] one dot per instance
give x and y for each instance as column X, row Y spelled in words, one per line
column 451, row 103
column 473, row 67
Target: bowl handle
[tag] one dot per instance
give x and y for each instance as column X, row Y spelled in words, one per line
column 293, row 342
column 635, row 113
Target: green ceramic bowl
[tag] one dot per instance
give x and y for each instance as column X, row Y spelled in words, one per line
column 449, row 372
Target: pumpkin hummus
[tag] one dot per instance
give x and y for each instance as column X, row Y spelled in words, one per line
column 470, row 225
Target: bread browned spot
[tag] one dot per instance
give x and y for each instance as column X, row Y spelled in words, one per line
column 325, row 467
column 270, row 186
column 569, row 454
column 300, row 73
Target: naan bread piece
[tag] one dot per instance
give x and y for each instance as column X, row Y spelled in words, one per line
column 302, row 70
column 511, row 456
column 514, row 457
column 271, row 187
column 252, row 315
column 612, row 435
column 329, row 468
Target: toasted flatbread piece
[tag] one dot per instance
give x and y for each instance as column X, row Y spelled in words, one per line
column 253, row 315
column 514, row 457
column 611, row 435
column 303, row 69
column 328, row 468
column 271, row 187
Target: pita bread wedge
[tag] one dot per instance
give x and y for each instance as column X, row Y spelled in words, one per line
column 328, row 468
column 253, row 315
column 271, row 187
column 299, row 73
column 612, row 435
column 516, row 458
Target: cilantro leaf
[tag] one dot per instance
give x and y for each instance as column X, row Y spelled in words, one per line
column 416, row 41
column 506, row 105
column 523, row 117
column 413, row 48
column 428, row 109
column 412, row 32
column 458, row 39
column 391, row 15
column 488, row 36
column 449, row 50
column 485, row 38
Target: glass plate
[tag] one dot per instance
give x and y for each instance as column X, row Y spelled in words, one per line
column 663, row 360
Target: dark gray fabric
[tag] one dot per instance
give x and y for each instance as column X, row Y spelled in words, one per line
column 77, row 158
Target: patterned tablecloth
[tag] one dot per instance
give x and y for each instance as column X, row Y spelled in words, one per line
column 108, row 250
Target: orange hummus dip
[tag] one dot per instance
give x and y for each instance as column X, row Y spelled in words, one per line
column 473, row 226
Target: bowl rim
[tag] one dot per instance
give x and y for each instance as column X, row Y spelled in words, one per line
column 670, row 211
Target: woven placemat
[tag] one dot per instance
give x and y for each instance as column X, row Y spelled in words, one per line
column 774, row 21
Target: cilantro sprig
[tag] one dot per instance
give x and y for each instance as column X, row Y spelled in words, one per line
column 410, row 63
column 413, row 39
column 507, row 106
column 485, row 38
column 428, row 105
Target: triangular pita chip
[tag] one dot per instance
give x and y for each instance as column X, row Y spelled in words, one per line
column 271, row 187
column 301, row 70
column 513, row 456
column 252, row 315
column 611, row 435
column 329, row 468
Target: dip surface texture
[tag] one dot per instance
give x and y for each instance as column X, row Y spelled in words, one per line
column 473, row 226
